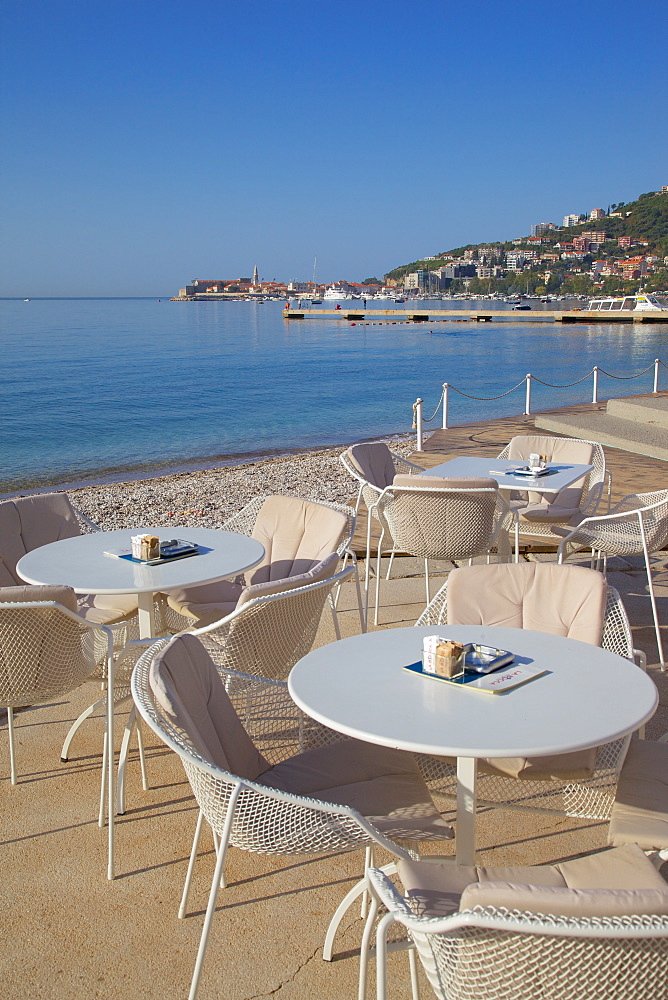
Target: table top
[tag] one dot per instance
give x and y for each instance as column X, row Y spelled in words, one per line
column 560, row 476
column 357, row 686
column 79, row 562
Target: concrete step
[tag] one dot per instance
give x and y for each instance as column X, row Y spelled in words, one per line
column 641, row 409
column 629, row 435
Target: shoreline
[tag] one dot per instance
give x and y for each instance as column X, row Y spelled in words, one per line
column 143, row 473
column 207, row 497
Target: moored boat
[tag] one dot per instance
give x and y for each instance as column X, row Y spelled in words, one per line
column 626, row 303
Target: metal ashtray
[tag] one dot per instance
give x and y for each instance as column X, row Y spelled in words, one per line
column 479, row 659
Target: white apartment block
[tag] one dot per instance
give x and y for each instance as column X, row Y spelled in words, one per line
column 571, row 220
column 596, row 213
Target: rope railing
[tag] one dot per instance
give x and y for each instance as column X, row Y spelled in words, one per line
column 419, row 420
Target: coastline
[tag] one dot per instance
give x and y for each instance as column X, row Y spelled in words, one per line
column 207, row 497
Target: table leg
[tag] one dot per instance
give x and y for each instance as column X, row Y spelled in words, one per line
column 146, row 616
column 467, row 774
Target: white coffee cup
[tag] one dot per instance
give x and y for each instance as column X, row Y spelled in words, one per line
column 534, row 461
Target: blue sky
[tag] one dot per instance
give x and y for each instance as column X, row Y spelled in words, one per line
column 150, row 142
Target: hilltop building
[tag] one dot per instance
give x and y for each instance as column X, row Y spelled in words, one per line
column 542, row 227
column 571, row 220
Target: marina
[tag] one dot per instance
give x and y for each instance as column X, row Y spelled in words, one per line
column 481, row 315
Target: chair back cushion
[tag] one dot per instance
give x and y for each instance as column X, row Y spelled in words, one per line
column 373, row 461
column 27, row 593
column 320, row 571
column 545, row 597
column 296, row 535
column 188, row 689
column 566, row 902
column 555, row 450
column 29, row 522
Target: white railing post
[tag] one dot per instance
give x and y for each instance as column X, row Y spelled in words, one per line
column 594, row 397
column 527, row 405
column 417, row 409
column 446, row 388
column 656, row 375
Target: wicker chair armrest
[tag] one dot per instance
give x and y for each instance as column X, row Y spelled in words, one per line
column 91, row 525
column 592, row 501
column 403, row 465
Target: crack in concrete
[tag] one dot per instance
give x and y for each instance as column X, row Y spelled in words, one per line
column 286, row 982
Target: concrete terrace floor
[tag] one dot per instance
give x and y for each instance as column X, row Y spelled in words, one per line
column 69, row 933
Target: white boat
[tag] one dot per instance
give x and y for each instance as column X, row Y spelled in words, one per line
column 336, row 293
column 626, row 303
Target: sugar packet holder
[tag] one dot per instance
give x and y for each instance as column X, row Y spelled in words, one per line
column 442, row 657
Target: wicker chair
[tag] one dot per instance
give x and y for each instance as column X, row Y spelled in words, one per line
column 252, row 725
column 29, row 522
column 578, row 785
column 47, row 650
column 264, row 637
column 438, row 518
column 539, row 511
column 637, row 525
column 640, row 811
column 514, row 940
column 374, row 467
column 296, row 533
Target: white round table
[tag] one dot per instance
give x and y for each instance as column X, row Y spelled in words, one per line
column 588, row 697
column 80, row 563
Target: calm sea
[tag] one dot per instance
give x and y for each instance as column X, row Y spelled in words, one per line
column 102, row 389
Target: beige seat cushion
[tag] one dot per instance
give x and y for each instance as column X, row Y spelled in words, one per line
column 640, row 810
column 188, row 688
column 296, row 534
column 373, row 461
column 187, row 603
column 602, row 883
column 107, row 609
column 381, row 783
column 555, row 449
column 545, row 597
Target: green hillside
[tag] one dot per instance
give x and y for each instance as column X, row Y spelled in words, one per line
column 645, row 219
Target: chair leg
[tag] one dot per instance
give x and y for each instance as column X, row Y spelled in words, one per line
column 389, row 565
column 103, row 783
column 358, row 590
column 412, row 964
column 191, row 865
column 365, row 949
column 380, row 549
column 335, row 617
column 142, row 757
column 381, row 957
column 10, row 733
column 344, row 906
column 122, row 760
column 204, row 940
column 652, row 598
column 64, row 753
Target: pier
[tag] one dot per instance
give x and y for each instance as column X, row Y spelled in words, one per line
column 478, row 315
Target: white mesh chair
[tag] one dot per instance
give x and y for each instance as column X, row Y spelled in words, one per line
column 47, row 650
column 595, row 928
column 439, row 518
column 539, row 511
column 637, row 525
column 267, row 778
column 544, row 597
column 374, row 467
column 297, row 534
column 30, row 522
column 265, row 636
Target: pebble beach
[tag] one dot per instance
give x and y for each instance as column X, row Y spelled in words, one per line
column 208, row 497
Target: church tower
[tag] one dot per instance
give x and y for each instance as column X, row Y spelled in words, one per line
column 256, row 280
